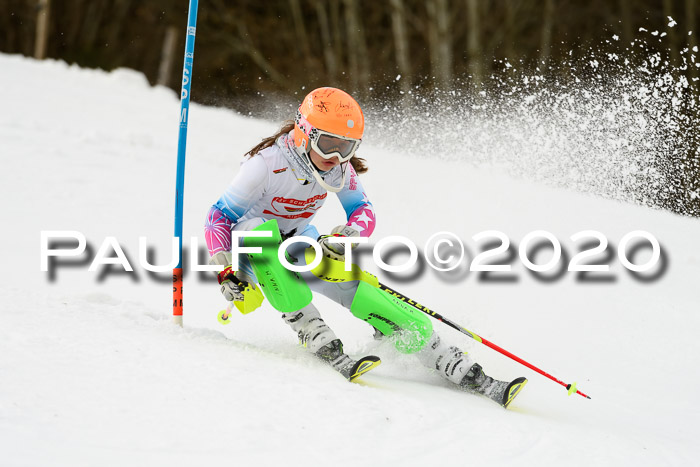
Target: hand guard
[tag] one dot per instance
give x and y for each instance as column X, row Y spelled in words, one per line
column 337, row 250
column 231, row 287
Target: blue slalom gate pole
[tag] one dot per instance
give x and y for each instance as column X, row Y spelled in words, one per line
column 181, row 150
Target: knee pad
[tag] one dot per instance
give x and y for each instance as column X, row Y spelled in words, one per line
column 410, row 327
column 284, row 289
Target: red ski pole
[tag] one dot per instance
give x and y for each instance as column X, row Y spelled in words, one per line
column 332, row 270
column 570, row 387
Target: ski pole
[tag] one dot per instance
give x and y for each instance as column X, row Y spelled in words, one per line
column 181, row 151
column 570, row 387
column 331, row 270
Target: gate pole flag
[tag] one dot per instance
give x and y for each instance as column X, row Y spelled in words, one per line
column 181, row 149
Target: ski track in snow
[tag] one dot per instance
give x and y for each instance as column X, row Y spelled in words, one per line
column 93, row 372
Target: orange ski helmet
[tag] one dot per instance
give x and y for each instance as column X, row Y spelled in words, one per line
column 332, row 111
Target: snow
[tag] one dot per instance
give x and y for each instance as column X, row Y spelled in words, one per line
column 93, row 372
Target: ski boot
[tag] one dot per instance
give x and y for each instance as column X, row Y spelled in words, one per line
column 315, row 335
column 502, row 392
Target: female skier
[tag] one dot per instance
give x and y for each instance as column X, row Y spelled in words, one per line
column 287, row 177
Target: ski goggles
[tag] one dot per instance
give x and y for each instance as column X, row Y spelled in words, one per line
column 328, row 145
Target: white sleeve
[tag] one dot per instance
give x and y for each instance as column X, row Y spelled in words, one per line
column 246, row 188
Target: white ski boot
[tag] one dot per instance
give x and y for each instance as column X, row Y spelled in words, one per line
column 315, row 335
column 457, row 366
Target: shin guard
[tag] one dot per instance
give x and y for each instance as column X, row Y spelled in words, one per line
column 284, row 289
column 410, row 328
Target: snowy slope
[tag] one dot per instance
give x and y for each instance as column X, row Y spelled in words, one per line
column 92, row 372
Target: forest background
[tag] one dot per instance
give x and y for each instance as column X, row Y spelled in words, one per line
column 261, row 57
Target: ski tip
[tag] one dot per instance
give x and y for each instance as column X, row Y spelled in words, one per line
column 364, row 365
column 513, row 390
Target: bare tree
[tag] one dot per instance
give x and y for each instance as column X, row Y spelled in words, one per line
column 357, row 48
column 401, row 44
column 167, row 55
column 692, row 41
column 671, row 31
column 440, row 42
column 473, row 43
column 302, row 40
column 75, row 22
column 510, row 29
column 627, row 21
column 92, row 22
column 237, row 38
column 329, row 52
column 42, row 29
column 337, row 28
column 546, row 37
column 117, row 20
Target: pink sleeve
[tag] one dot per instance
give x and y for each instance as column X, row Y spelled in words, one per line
column 363, row 219
column 217, row 231
column 357, row 207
